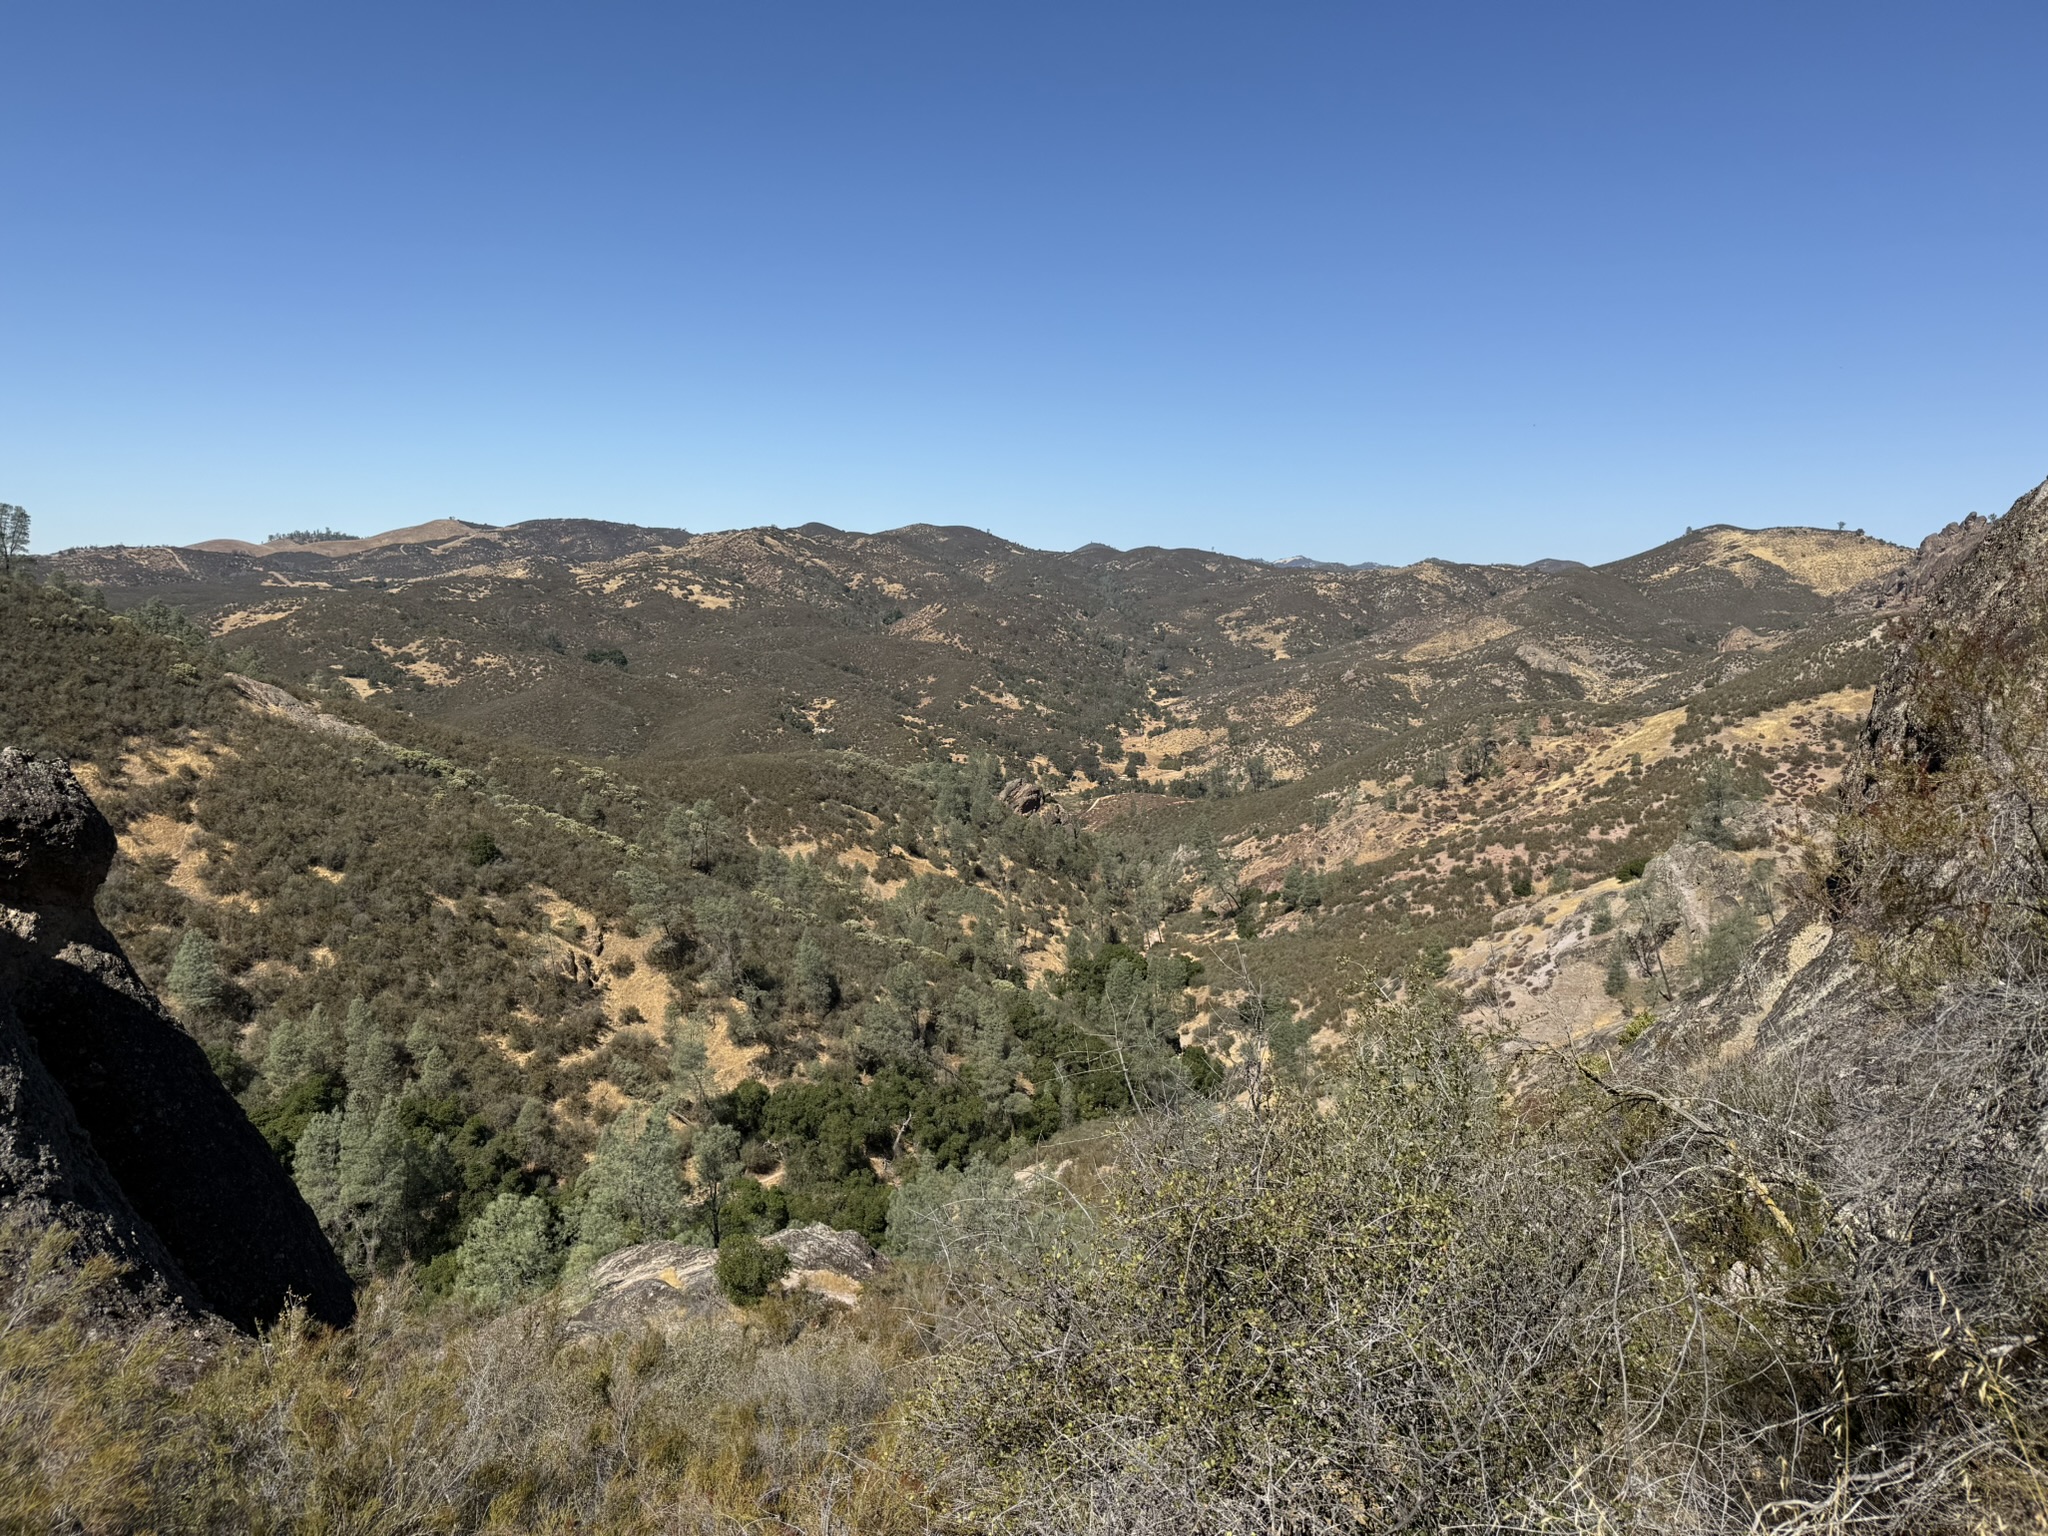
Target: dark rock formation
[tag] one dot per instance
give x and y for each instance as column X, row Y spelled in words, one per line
column 1026, row 798
column 1985, row 611
column 1022, row 796
column 55, row 846
column 111, row 1119
column 1938, row 554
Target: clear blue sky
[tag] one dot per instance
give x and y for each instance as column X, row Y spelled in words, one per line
column 1360, row 281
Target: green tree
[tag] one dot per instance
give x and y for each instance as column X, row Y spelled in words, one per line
column 886, row 1037
column 316, row 1167
column 995, row 1061
column 296, row 1049
column 816, row 987
column 374, row 1182
column 699, row 836
column 1617, row 972
column 715, row 1157
column 509, row 1252
column 1250, row 917
column 433, row 1075
column 689, row 1058
column 13, row 535
column 1717, row 958
column 371, row 1060
column 1301, row 890
column 632, row 1191
column 282, row 1114
column 375, row 1170
column 722, row 927
column 194, row 981
column 161, row 618
column 1133, row 1026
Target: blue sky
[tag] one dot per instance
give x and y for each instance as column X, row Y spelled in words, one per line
column 1488, row 281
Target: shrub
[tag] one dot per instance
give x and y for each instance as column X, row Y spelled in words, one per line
column 428, row 1418
column 747, row 1267
column 1720, row 955
column 1346, row 1308
column 1617, row 978
column 1382, row 1304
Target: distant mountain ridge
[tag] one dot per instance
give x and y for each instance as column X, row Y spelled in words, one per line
column 618, row 640
column 440, row 529
column 930, row 639
column 443, row 535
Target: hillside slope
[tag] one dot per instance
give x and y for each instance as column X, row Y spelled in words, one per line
column 1513, row 1109
column 607, row 639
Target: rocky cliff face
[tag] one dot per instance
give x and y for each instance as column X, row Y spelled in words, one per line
column 1943, row 856
column 111, row 1120
column 1983, row 616
column 1938, row 869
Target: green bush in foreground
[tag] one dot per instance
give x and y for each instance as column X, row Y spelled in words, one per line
column 1799, row 1301
column 1345, row 1307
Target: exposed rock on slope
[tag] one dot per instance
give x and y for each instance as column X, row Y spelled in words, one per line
column 1939, row 553
column 269, row 699
column 111, row 1120
column 665, row 1283
column 1947, row 847
column 1983, row 620
column 1939, row 868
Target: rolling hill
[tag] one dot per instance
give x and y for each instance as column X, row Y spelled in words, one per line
column 604, row 639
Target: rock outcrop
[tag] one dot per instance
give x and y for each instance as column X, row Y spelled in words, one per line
column 667, row 1283
column 1986, row 610
column 1026, row 798
column 111, row 1119
column 1022, row 796
column 1938, row 555
column 1943, row 846
column 269, row 699
column 1936, row 870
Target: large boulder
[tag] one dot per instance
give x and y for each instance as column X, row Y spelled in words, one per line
column 55, row 846
column 1022, row 796
column 664, row 1284
column 111, row 1119
column 1693, row 885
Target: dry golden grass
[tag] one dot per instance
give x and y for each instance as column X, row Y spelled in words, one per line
column 159, row 836
column 1459, row 639
column 248, row 618
column 1828, row 563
